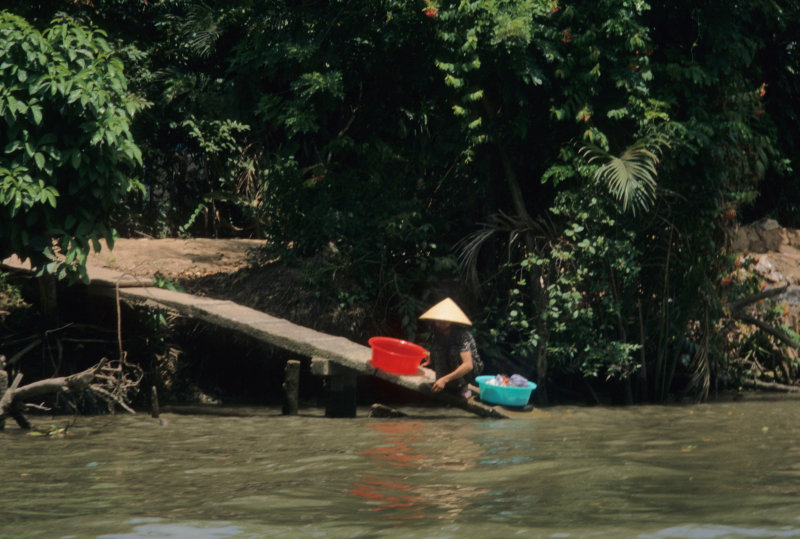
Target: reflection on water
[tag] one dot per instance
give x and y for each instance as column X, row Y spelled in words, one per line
column 154, row 527
column 717, row 470
column 402, row 445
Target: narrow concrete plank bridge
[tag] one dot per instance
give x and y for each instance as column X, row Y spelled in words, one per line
column 337, row 358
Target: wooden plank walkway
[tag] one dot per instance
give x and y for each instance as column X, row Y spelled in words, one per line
column 276, row 331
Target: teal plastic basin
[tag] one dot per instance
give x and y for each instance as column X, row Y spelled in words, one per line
column 504, row 395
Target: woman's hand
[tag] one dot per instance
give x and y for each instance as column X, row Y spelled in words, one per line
column 439, row 384
column 426, row 361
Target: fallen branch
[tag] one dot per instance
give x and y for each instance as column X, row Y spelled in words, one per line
column 771, row 386
column 109, row 398
column 69, row 384
column 37, row 407
column 8, row 395
column 775, row 332
column 106, row 380
column 758, row 296
column 736, row 312
column 9, row 406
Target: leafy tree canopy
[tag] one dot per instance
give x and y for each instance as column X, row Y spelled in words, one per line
column 67, row 149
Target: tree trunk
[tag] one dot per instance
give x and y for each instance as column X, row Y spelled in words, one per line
column 48, row 297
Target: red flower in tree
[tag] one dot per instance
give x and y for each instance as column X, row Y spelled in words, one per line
column 566, row 36
column 431, row 11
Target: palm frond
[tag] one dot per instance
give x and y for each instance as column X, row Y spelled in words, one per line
column 469, row 248
column 630, row 177
column 200, row 29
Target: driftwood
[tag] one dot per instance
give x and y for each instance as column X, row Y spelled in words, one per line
column 771, row 386
column 68, row 384
column 106, row 380
column 111, row 381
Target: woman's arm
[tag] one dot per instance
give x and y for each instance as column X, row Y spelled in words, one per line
column 461, row 371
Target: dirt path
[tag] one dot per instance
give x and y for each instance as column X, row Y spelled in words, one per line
column 201, row 257
column 219, row 268
column 174, row 257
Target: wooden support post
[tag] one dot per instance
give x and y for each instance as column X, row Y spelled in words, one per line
column 340, row 387
column 291, row 385
column 154, row 408
column 341, row 394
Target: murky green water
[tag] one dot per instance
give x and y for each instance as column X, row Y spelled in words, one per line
column 709, row 471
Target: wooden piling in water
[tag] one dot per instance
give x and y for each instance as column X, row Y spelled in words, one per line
column 341, row 397
column 291, row 386
column 154, row 408
column 340, row 387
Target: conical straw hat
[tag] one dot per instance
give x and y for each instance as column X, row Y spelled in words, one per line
column 446, row 311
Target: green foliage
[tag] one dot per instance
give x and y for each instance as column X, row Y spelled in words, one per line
column 67, row 145
column 575, row 294
column 167, row 283
column 367, row 139
column 631, row 177
column 228, row 170
column 10, row 294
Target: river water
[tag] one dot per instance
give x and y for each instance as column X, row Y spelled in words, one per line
column 705, row 471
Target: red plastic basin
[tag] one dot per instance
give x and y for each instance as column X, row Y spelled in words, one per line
column 396, row 355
